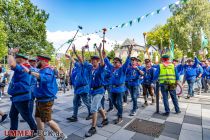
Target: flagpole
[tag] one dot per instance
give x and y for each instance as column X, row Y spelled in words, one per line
column 104, row 33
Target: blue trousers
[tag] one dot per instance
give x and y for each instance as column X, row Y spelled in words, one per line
column 134, row 91
column 190, row 87
column 76, row 102
column 25, row 108
column 165, row 93
column 117, row 101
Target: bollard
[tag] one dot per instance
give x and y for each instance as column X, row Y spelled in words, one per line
column 157, row 97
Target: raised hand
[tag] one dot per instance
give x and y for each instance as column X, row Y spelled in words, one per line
column 130, row 50
column 99, row 48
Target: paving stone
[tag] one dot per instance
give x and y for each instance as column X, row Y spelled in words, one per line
column 74, row 137
column 70, row 129
column 172, row 130
column 96, row 137
column 159, row 116
column 190, row 135
column 192, row 120
column 139, row 136
column 175, row 119
column 104, row 133
column 206, row 134
column 164, row 138
column 125, row 121
column 157, row 120
column 111, row 128
column 122, row 134
column 81, row 132
column 192, row 127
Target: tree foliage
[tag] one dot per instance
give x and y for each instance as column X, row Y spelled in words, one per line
column 25, row 26
column 3, row 39
column 186, row 23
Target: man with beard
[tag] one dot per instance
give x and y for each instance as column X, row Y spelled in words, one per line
column 20, row 91
column 45, row 93
column 118, row 82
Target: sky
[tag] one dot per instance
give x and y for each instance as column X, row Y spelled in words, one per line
column 92, row 15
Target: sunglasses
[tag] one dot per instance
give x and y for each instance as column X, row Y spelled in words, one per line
column 115, row 62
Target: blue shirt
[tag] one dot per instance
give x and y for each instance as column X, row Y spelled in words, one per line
column 191, row 71
column 207, row 72
column 74, row 73
column 118, row 76
column 157, row 73
column 133, row 76
column 199, row 70
column 82, row 78
column 20, row 85
column 97, row 81
column 107, row 76
column 33, row 80
column 180, row 69
column 46, row 88
column 148, row 76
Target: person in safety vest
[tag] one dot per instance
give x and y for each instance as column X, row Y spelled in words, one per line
column 168, row 78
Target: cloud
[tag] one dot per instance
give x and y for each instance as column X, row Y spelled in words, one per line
column 60, row 37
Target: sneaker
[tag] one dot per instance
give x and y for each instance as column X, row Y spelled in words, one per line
column 166, row 114
column 89, row 117
column 133, row 113
column 3, row 118
column 110, row 110
column 62, row 137
column 72, row 119
column 90, row 132
column 105, row 122
column 9, row 138
column 118, row 120
column 153, row 101
column 178, row 112
column 145, row 104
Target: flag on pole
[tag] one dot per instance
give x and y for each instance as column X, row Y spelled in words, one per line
column 171, row 49
column 204, row 40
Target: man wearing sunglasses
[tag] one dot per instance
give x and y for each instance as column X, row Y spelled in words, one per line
column 118, row 78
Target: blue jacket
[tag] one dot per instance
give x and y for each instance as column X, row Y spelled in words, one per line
column 191, row 71
column 74, row 73
column 180, row 69
column 20, row 85
column 118, row 76
column 82, row 78
column 199, row 70
column 97, row 81
column 46, row 88
column 107, row 76
column 207, row 72
column 133, row 76
column 157, row 73
column 148, row 76
column 33, row 80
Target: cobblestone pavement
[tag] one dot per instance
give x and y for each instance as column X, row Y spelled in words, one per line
column 192, row 123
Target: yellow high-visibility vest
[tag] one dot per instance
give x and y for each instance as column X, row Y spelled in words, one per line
column 167, row 74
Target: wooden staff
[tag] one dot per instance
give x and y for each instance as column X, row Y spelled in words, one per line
column 79, row 28
column 104, row 34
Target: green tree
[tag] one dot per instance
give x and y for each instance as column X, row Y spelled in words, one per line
column 111, row 54
column 158, row 36
column 25, row 25
column 3, row 39
column 141, row 56
column 185, row 26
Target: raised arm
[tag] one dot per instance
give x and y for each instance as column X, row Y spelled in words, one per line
column 78, row 57
column 127, row 62
column 11, row 61
column 106, row 60
column 100, row 55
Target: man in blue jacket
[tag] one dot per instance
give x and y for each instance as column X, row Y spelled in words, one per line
column 20, row 91
column 190, row 75
column 149, row 73
column 45, row 94
column 97, row 91
column 118, row 82
column 199, row 72
column 80, row 80
column 133, row 77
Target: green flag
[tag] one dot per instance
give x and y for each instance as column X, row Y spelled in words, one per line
column 158, row 11
column 171, row 49
column 204, row 40
column 131, row 22
column 123, row 25
column 139, row 19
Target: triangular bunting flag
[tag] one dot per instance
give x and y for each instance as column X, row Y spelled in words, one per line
column 131, row 22
column 122, row 25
